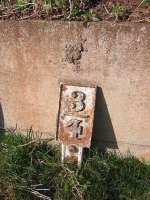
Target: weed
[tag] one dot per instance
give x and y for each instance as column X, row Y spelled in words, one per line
column 89, row 16
column 145, row 1
column 32, row 170
column 118, row 12
column 67, row 9
column 21, row 4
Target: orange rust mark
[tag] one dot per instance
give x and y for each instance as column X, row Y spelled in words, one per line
column 75, row 124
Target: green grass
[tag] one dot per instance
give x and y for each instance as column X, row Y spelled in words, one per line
column 32, row 170
column 57, row 8
column 118, row 12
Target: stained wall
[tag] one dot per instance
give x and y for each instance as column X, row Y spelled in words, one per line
column 35, row 56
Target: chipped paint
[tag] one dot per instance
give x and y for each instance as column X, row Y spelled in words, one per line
column 76, row 115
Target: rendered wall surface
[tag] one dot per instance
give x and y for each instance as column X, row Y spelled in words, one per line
column 35, row 56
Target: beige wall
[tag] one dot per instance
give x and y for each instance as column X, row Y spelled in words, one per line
column 116, row 58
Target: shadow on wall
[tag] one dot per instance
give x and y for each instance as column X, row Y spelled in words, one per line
column 103, row 132
column 1, row 120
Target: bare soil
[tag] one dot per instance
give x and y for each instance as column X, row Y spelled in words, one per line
column 134, row 10
column 109, row 10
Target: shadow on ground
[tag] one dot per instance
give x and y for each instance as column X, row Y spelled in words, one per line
column 2, row 131
column 103, row 132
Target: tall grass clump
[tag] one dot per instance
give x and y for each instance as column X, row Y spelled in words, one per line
column 31, row 169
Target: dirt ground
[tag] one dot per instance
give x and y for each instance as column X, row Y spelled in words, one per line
column 85, row 10
column 134, row 10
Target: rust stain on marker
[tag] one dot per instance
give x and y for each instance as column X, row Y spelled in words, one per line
column 77, row 105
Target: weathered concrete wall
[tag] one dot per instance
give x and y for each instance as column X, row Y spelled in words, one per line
column 116, row 57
